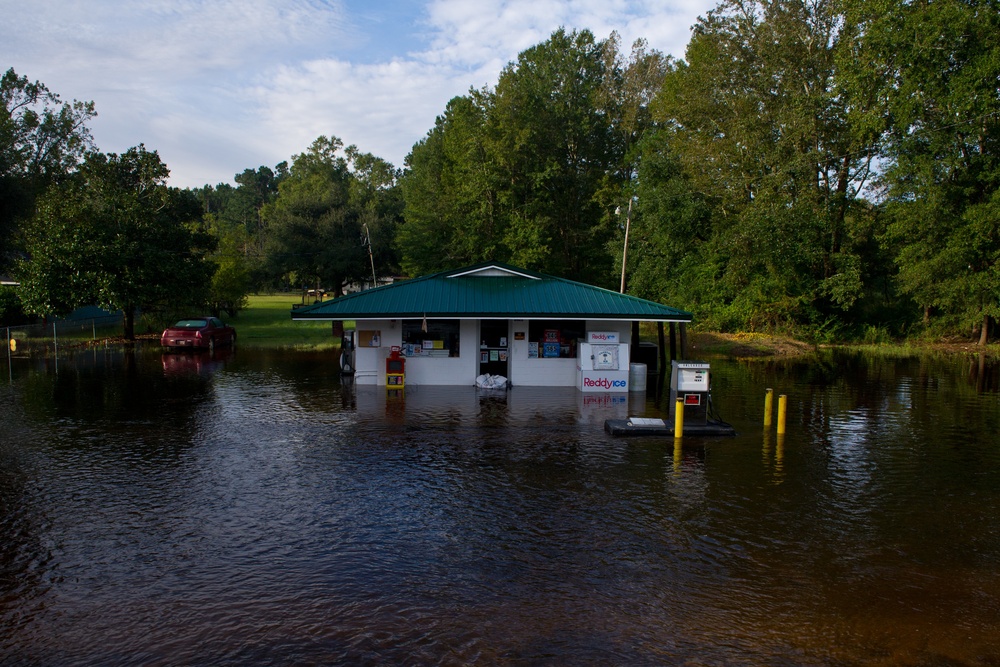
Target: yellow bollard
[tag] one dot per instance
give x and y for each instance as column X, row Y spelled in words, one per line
column 678, row 456
column 768, row 407
column 782, row 406
column 679, row 418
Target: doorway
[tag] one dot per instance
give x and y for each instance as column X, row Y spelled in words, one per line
column 494, row 347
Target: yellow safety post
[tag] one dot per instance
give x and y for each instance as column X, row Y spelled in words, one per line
column 768, row 407
column 679, row 418
column 782, row 406
column 678, row 455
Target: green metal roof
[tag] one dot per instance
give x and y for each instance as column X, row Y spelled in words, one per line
column 490, row 290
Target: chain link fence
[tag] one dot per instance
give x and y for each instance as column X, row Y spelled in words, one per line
column 48, row 338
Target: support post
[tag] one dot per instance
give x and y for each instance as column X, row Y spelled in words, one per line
column 634, row 351
column 662, row 349
column 768, row 407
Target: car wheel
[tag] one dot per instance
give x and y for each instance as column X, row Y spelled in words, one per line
column 211, row 345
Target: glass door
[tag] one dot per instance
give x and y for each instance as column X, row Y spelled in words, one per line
column 494, row 347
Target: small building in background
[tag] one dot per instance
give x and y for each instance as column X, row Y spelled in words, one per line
column 492, row 319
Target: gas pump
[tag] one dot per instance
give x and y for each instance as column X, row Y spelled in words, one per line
column 347, row 352
column 689, row 381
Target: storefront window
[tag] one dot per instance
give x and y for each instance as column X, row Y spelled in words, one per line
column 554, row 339
column 440, row 339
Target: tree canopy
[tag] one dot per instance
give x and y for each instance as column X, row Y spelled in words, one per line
column 41, row 140
column 115, row 235
column 531, row 170
column 934, row 68
column 327, row 209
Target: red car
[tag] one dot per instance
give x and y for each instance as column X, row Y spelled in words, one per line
column 204, row 333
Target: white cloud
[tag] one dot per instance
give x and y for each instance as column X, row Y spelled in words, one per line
column 382, row 108
column 217, row 86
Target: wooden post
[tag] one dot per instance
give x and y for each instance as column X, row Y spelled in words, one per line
column 684, row 340
column 673, row 344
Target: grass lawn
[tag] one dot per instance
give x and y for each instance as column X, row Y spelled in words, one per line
column 267, row 322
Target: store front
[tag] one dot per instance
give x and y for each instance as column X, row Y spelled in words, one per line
column 493, row 319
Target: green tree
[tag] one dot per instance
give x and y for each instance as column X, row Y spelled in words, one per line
column 376, row 193
column 117, row 236
column 630, row 88
column 530, row 171
column 41, row 140
column 761, row 130
column 450, row 191
column 672, row 244
column 316, row 225
column 935, row 69
column 551, row 139
column 237, row 214
column 231, row 281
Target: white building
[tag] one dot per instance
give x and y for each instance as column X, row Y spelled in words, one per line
column 491, row 319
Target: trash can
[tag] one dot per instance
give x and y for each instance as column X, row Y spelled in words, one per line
column 637, row 377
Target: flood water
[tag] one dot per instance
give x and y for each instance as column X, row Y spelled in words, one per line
column 250, row 509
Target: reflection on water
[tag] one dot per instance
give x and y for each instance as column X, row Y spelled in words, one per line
column 250, row 508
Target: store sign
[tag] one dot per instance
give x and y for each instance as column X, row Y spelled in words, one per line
column 602, row 337
column 604, row 381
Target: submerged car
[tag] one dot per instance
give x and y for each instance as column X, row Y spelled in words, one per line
column 204, row 333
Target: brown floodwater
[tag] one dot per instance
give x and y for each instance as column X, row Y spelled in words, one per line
column 250, row 508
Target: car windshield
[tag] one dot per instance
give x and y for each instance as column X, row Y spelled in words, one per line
column 190, row 324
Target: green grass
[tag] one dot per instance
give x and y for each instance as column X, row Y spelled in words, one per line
column 267, row 322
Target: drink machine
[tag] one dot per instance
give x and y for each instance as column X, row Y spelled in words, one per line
column 689, row 381
column 395, row 369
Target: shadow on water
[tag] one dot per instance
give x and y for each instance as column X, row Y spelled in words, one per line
column 250, row 507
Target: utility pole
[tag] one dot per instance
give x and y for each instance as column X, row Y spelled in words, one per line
column 628, row 219
column 367, row 240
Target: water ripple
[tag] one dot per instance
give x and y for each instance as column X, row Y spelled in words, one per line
column 259, row 513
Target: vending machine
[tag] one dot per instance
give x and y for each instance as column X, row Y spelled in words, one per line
column 602, row 363
column 395, row 369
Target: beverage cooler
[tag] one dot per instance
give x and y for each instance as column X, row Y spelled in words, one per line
column 602, row 363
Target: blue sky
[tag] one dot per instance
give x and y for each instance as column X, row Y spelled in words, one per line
column 223, row 85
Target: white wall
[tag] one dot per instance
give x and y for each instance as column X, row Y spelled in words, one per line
column 462, row 370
